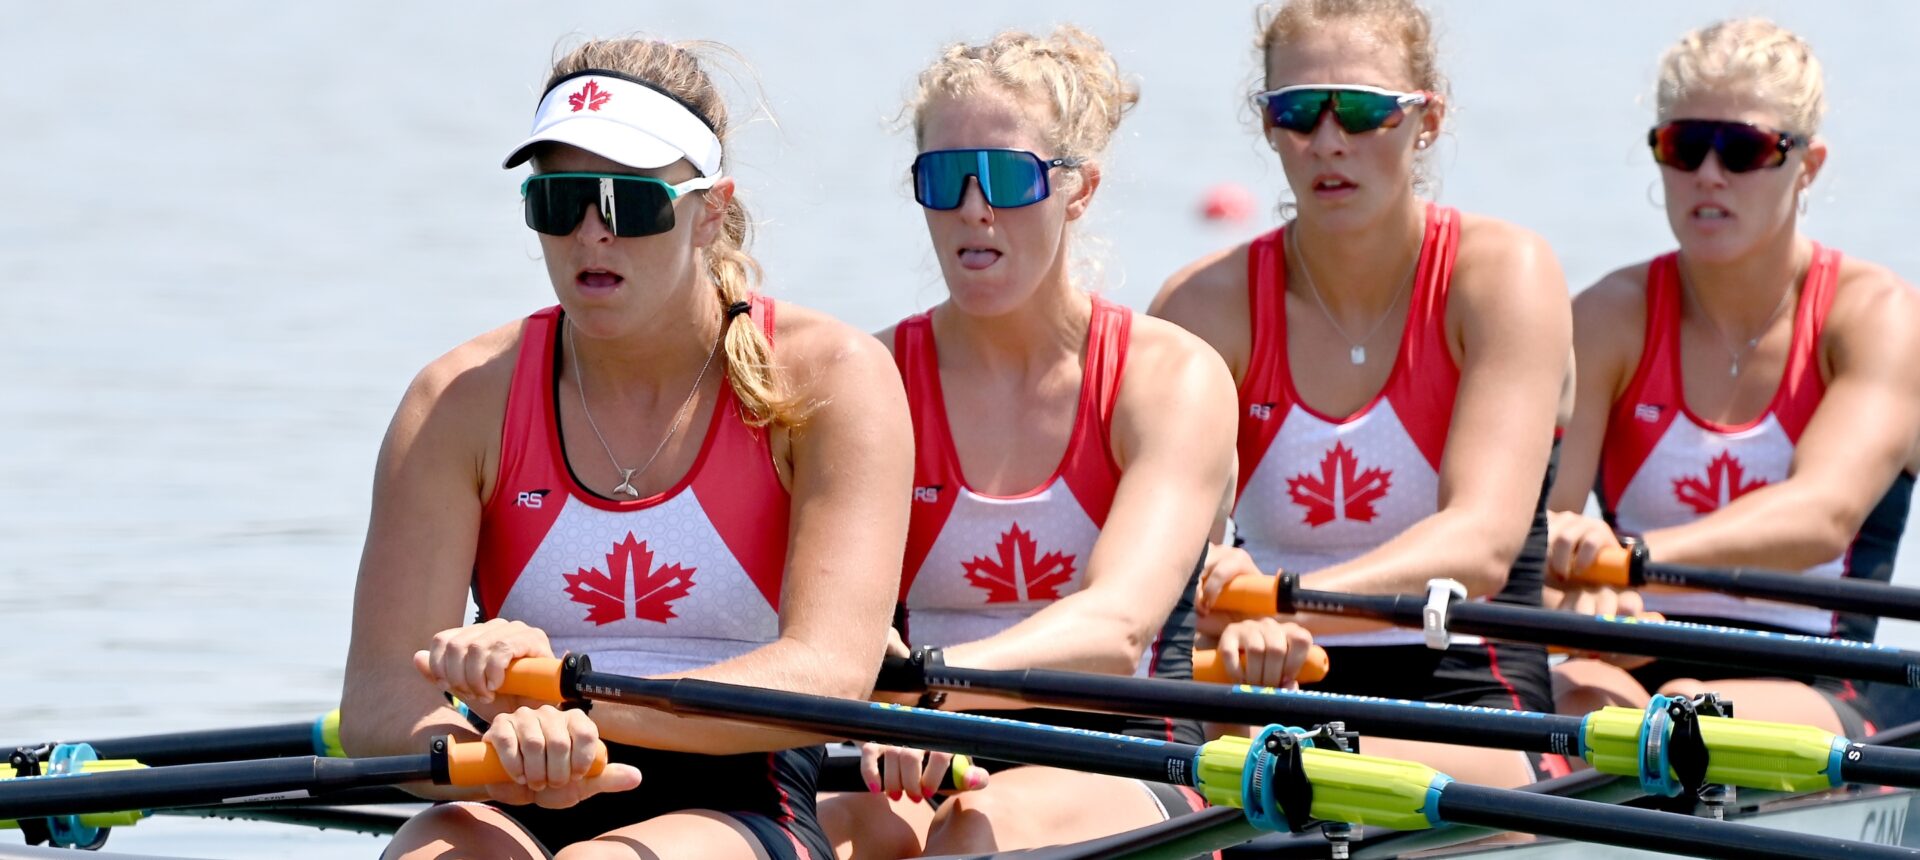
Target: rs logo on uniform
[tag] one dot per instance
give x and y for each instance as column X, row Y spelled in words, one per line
column 530, row 498
column 929, row 495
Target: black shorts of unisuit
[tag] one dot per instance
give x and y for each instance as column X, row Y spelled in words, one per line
column 1510, row 676
column 1855, row 710
column 771, row 794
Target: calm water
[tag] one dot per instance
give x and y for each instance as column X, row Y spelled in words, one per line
column 231, row 232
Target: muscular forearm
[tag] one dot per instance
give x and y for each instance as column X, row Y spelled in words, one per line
column 786, row 664
column 1776, row 527
column 1081, row 632
column 1448, row 544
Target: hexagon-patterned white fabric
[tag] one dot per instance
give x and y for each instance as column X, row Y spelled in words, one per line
column 680, row 580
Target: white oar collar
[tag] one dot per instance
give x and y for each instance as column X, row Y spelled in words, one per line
column 623, row 118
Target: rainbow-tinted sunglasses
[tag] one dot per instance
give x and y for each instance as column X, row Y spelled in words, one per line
column 1009, row 178
column 1357, row 108
column 1742, row 147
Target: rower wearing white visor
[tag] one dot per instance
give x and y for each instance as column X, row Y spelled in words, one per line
column 625, row 473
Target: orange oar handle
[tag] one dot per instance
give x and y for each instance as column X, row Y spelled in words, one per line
column 1613, row 566
column 536, row 678
column 478, row 763
column 1250, row 595
column 1208, row 667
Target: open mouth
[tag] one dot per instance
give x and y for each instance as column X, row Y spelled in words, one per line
column 1711, row 212
column 598, row 279
column 1332, row 183
column 978, row 258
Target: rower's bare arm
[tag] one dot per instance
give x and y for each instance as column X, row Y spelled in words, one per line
column 1514, row 320
column 418, row 558
column 1609, row 325
column 1860, row 437
column 852, row 467
column 1609, row 320
column 1209, row 299
column 1173, row 438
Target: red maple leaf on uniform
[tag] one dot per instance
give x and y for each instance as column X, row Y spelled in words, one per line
column 1339, row 493
column 590, row 97
column 609, row 598
column 1725, row 481
column 1015, row 576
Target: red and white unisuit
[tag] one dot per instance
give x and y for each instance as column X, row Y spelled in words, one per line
column 1317, row 490
column 977, row 564
column 680, row 580
column 1662, row 465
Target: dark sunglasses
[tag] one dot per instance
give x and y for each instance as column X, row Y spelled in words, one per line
column 1356, row 108
column 1683, row 144
column 1008, row 178
column 629, row 205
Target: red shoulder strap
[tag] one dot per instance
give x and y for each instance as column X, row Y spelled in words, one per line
column 1652, row 399
column 1107, row 337
column 527, row 465
column 1424, row 385
column 1264, row 397
column 1090, row 469
column 1800, row 385
column 936, row 481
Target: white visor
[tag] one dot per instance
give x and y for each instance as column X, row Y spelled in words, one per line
column 618, row 119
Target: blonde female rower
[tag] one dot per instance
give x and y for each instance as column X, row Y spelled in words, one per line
column 665, row 470
column 1071, row 455
column 1752, row 398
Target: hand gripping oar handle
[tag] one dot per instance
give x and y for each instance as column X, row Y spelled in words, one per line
column 1618, row 566
column 543, row 679
column 478, row 763
column 1629, row 567
column 1258, row 595
column 1209, row 667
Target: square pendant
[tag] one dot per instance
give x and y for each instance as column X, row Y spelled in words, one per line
column 1358, row 355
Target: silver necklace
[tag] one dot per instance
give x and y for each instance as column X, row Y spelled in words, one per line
column 1356, row 350
column 1752, row 343
column 679, row 415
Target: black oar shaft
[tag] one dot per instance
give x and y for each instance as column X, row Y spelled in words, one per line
column 275, row 741
column 1642, row 828
column 1485, row 727
column 1741, row 649
column 1842, row 595
column 199, row 784
column 1114, row 755
column 1875, row 764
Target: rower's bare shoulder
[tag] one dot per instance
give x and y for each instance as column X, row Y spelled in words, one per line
column 1866, row 286
column 470, row 380
column 885, row 337
column 1616, row 302
column 1163, row 355
column 1205, row 286
column 1871, row 301
column 823, row 353
column 1502, row 256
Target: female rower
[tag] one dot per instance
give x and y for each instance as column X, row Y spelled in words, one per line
column 1399, row 364
column 1071, row 455
column 666, row 470
column 1722, row 387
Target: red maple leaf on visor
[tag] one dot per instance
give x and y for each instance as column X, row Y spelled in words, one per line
column 1015, row 577
column 590, row 97
column 608, row 597
column 1339, row 493
column 1725, row 482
